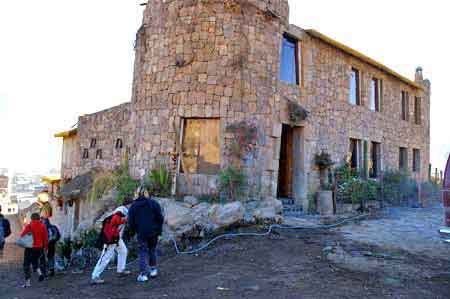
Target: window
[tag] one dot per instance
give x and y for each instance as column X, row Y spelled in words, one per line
column 375, row 94
column 403, row 159
column 417, row 111
column 93, row 143
column 85, row 153
column 355, row 152
column 119, row 143
column 354, row 97
column 289, row 61
column 375, row 165
column 99, row 154
column 416, row 160
column 405, row 106
column 201, row 146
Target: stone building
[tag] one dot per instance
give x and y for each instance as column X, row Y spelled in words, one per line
column 203, row 66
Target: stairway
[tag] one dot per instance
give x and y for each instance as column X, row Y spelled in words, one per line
column 290, row 208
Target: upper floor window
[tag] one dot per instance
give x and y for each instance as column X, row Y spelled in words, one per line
column 354, row 97
column 99, row 154
column 418, row 111
column 416, row 160
column 119, row 143
column 85, row 153
column 289, row 70
column 375, row 94
column 405, row 106
column 403, row 159
column 93, row 143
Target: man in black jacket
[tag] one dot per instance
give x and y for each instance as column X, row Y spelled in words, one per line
column 146, row 219
column 5, row 230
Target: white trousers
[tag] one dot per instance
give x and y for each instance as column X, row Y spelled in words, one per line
column 107, row 255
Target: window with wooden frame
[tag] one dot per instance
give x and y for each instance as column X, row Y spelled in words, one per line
column 119, row 143
column 289, row 64
column 375, row 94
column 355, row 95
column 355, row 150
column 405, row 106
column 403, row 159
column 93, row 143
column 375, row 152
column 416, row 160
column 201, row 146
column 418, row 110
column 85, row 153
column 99, row 154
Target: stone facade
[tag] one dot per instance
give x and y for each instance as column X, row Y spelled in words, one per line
column 209, row 59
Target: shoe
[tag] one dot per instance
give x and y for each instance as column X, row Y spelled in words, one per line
column 97, row 281
column 27, row 284
column 41, row 275
column 52, row 273
column 124, row 273
column 142, row 278
column 153, row 272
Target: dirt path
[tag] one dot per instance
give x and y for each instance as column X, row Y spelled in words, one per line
column 290, row 265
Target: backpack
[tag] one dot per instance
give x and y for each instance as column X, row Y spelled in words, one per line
column 6, row 227
column 110, row 234
column 2, row 234
column 53, row 233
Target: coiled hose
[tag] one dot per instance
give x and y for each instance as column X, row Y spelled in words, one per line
column 268, row 232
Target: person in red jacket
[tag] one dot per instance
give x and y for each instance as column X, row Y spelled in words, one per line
column 40, row 245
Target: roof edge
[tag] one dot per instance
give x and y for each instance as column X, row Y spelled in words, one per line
column 359, row 55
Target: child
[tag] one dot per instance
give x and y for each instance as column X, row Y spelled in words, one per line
column 53, row 238
column 117, row 222
column 40, row 245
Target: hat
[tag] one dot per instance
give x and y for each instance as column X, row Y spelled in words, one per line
column 122, row 210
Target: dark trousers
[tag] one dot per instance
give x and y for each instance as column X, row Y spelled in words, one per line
column 50, row 262
column 147, row 250
column 32, row 257
column 2, row 245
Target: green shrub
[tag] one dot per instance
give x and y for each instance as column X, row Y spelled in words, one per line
column 159, row 181
column 351, row 188
column 398, row 187
column 232, row 182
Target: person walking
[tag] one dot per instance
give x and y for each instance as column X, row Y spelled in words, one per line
column 32, row 256
column 5, row 230
column 53, row 238
column 112, row 239
column 146, row 219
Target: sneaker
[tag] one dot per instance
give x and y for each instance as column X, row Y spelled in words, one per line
column 41, row 275
column 124, row 273
column 142, row 278
column 153, row 272
column 27, row 284
column 97, row 281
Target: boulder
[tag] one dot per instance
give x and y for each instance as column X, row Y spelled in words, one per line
column 226, row 215
column 274, row 203
column 177, row 216
column 191, row 200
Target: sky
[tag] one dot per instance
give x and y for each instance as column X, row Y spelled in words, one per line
column 62, row 58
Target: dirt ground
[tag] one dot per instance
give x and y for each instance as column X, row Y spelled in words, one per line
column 300, row 264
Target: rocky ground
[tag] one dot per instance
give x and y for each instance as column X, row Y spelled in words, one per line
column 301, row 264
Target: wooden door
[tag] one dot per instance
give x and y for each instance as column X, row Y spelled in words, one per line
column 285, row 171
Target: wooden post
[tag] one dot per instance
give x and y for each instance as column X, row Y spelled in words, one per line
column 179, row 154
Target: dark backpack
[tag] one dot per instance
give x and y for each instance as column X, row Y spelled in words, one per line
column 53, row 233
column 6, row 228
column 110, row 234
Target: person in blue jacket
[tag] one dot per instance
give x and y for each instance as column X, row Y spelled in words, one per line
column 146, row 220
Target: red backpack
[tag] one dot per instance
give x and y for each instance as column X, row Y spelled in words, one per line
column 110, row 232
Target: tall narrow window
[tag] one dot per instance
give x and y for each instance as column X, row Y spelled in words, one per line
column 403, row 159
column 93, row 143
column 85, row 153
column 416, row 160
column 405, row 106
column 375, row 167
column 417, row 111
column 289, row 61
column 201, row 146
column 355, row 151
column 119, row 143
column 354, row 97
column 99, row 154
column 375, row 95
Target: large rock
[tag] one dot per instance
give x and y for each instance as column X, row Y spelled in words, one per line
column 191, row 200
column 228, row 214
column 178, row 216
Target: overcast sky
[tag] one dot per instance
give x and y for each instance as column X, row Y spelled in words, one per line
column 61, row 58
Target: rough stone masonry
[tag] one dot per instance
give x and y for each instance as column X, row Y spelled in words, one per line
column 202, row 65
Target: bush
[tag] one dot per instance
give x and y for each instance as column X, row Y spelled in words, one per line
column 159, row 181
column 351, row 188
column 232, row 182
column 398, row 187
